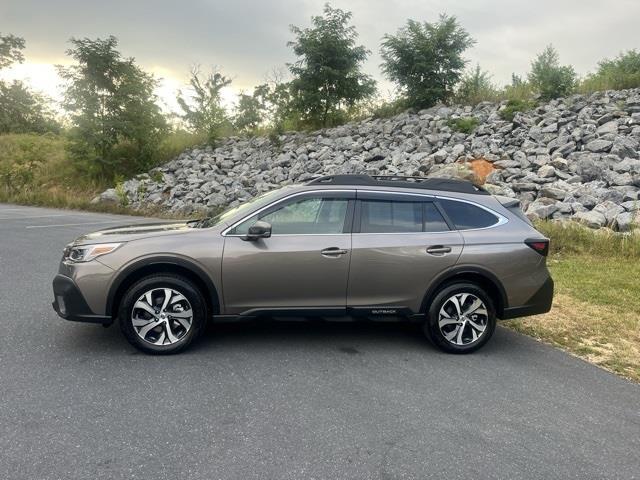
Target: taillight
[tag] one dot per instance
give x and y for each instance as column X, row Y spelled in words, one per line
column 540, row 246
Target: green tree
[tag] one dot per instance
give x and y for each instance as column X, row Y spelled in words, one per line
column 616, row 74
column 24, row 111
column 327, row 77
column 251, row 110
column 550, row 79
column 202, row 107
column 117, row 124
column 476, row 87
column 11, row 50
column 425, row 59
column 21, row 109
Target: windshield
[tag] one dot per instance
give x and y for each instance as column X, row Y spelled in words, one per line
column 262, row 199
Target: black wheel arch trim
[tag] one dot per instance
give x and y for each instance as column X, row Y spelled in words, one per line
column 140, row 264
column 459, row 270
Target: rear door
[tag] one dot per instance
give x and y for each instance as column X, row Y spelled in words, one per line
column 303, row 266
column 399, row 244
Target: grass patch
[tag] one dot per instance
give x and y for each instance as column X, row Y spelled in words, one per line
column 595, row 312
column 596, row 307
column 570, row 238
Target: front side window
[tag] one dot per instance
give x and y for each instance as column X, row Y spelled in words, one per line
column 466, row 216
column 303, row 217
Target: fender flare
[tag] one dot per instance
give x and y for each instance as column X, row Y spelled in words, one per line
column 142, row 263
column 457, row 270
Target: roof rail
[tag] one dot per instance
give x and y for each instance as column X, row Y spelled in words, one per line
column 427, row 183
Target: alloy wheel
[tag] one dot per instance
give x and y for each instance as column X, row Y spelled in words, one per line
column 463, row 319
column 162, row 316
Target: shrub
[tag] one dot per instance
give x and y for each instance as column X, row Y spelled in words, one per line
column 388, row 108
column 464, row 125
column 202, row 105
column 476, row 87
column 549, row 78
column 509, row 110
column 620, row 73
column 28, row 160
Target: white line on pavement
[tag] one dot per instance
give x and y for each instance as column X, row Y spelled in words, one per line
column 35, row 216
column 73, row 224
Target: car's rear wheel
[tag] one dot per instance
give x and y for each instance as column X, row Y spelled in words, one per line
column 461, row 318
column 162, row 314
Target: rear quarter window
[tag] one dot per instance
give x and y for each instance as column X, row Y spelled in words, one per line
column 466, row 216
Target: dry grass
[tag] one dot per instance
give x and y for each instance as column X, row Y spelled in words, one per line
column 596, row 312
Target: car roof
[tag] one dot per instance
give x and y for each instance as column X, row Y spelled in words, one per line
column 385, row 181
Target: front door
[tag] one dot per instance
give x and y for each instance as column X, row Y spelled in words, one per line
column 303, row 266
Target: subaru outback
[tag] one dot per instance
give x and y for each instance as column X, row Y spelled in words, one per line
column 444, row 253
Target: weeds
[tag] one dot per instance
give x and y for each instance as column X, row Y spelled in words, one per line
column 464, row 125
column 509, row 111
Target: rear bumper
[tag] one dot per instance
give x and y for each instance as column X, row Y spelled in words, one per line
column 540, row 302
column 70, row 304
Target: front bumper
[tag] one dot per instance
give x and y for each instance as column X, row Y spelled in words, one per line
column 540, row 302
column 70, row 304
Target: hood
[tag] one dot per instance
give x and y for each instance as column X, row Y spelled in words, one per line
column 127, row 233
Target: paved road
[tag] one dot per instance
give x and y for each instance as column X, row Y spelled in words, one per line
column 285, row 401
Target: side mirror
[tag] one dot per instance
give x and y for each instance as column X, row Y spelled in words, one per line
column 258, row 230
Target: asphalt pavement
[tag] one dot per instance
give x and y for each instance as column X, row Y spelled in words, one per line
column 291, row 400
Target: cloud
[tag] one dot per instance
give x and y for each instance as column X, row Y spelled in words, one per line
column 248, row 38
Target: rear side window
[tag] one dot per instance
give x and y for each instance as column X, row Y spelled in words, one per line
column 382, row 216
column 379, row 216
column 466, row 216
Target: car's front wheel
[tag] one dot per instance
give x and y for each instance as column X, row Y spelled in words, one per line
column 162, row 314
column 461, row 318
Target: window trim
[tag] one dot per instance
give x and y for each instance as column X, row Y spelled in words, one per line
column 428, row 197
column 311, row 193
column 355, row 211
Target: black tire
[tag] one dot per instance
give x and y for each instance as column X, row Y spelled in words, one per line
column 180, row 285
column 435, row 334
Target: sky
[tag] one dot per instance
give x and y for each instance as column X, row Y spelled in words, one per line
column 248, row 39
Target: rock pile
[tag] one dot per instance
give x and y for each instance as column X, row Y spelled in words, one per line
column 573, row 158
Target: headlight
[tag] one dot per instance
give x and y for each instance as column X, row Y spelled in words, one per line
column 85, row 253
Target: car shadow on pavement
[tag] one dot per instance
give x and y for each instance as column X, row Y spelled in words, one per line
column 348, row 338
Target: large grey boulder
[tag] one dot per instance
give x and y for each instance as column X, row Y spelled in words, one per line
column 541, row 209
column 627, row 221
column 599, row 146
column 609, row 209
column 590, row 219
column 553, row 192
column 108, row 197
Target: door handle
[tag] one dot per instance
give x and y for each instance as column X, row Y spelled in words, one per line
column 438, row 250
column 334, row 252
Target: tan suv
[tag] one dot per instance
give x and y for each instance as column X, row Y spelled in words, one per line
column 441, row 252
